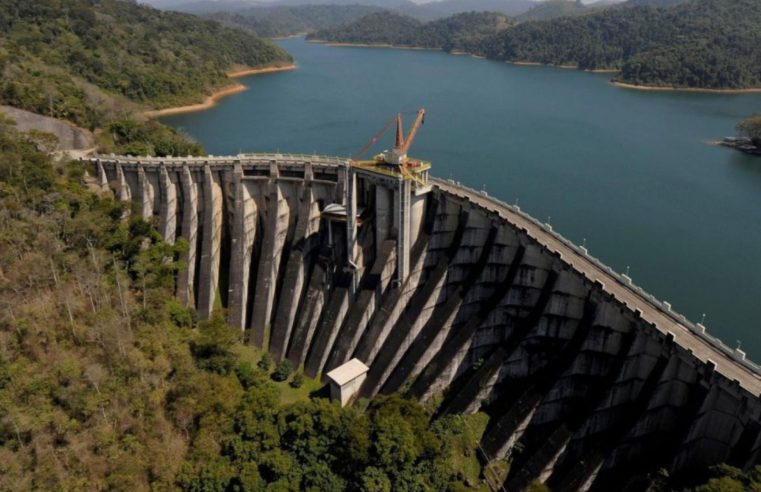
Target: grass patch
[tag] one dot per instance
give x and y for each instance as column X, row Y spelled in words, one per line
column 288, row 394
column 463, row 435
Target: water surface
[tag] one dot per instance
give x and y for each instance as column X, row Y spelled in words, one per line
column 626, row 172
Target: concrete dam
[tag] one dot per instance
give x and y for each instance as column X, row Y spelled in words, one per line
column 451, row 297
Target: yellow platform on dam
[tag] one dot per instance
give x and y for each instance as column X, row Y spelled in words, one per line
column 417, row 169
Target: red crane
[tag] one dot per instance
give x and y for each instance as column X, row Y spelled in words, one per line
column 398, row 154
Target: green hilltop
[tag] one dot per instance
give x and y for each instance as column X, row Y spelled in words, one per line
column 286, row 20
column 463, row 32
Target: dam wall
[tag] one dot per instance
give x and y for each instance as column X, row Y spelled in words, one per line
column 589, row 382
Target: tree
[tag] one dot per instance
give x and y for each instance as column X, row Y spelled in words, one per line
column 265, row 362
column 212, row 349
column 374, row 480
column 751, row 128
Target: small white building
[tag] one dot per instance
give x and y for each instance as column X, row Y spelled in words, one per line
column 345, row 380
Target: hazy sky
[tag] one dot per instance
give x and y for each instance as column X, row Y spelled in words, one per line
column 159, row 3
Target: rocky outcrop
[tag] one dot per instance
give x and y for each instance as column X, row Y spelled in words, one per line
column 70, row 137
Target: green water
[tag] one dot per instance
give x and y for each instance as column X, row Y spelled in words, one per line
column 628, row 172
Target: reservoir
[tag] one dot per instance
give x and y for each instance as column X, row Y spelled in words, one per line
column 627, row 173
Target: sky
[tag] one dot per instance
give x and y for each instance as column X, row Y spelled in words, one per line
column 160, row 3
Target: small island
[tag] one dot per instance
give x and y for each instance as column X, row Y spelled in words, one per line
column 749, row 136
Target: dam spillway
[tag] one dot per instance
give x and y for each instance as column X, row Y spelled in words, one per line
column 589, row 382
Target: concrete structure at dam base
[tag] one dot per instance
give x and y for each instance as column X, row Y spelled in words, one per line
column 451, row 296
column 346, row 381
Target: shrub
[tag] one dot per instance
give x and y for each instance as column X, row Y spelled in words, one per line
column 265, row 362
column 282, row 370
column 245, row 374
column 297, row 381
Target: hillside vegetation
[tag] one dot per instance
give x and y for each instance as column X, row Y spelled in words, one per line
column 703, row 43
column 699, row 44
column 464, row 32
column 91, row 62
column 285, row 20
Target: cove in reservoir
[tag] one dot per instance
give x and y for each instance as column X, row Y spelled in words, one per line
column 626, row 172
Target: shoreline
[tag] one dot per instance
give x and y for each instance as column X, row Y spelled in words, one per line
column 208, row 103
column 216, row 96
column 564, row 67
column 290, row 36
column 457, row 53
column 743, row 145
column 465, row 53
column 368, row 45
column 244, row 72
column 625, row 85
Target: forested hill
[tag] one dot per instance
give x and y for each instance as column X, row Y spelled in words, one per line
column 699, row 44
column 286, row 20
column 88, row 61
column 464, row 32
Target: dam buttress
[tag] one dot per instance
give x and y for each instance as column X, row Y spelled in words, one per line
column 450, row 295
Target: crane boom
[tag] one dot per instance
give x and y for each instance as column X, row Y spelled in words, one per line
column 373, row 140
column 407, row 142
column 399, row 141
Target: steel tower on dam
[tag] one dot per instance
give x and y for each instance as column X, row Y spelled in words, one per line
column 449, row 295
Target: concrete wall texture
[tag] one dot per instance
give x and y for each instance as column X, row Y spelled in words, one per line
column 589, row 382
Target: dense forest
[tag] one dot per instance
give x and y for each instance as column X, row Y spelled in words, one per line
column 699, row 44
column 285, row 20
column 464, row 32
column 90, row 62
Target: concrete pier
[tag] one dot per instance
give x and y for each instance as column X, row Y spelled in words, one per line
column 145, row 194
column 363, row 309
column 188, row 230
column 168, row 205
column 246, row 215
column 210, row 243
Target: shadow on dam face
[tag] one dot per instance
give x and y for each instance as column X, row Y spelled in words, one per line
column 449, row 295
